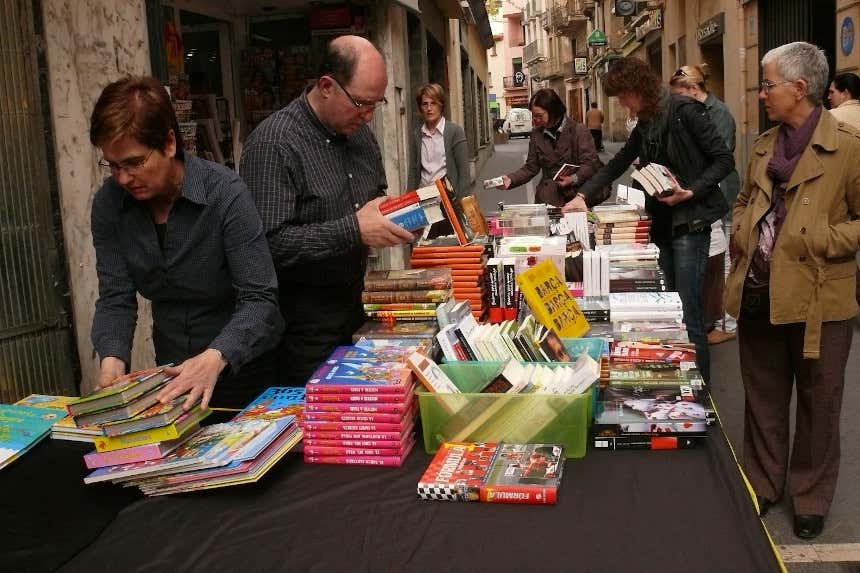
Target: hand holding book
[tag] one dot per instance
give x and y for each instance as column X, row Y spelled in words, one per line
column 377, row 230
column 196, row 377
column 678, row 195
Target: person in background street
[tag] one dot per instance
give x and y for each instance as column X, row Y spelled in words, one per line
column 556, row 139
column 315, row 171
column 844, row 93
column 790, row 285
column 674, row 131
column 184, row 233
column 594, row 123
column 439, row 146
column 690, row 81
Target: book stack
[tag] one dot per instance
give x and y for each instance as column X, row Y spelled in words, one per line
column 656, row 180
column 621, row 224
column 414, row 210
column 132, row 424
column 494, row 473
column 629, row 306
column 360, row 407
column 64, row 427
column 410, row 295
column 237, row 452
column 467, row 265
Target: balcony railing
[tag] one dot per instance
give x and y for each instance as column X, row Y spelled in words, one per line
column 534, row 51
column 515, row 81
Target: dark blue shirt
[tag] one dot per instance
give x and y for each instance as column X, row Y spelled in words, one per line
column 212, row 286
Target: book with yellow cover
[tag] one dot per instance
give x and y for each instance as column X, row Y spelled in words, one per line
column 169, row 432
column 547, row 295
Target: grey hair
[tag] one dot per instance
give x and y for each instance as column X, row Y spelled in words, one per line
column 802, row 61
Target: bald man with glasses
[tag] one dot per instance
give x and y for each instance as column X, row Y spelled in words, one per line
column 315, row 171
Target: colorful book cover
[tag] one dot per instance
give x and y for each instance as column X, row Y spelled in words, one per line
column 344, row 378
column 524, row 473
column 45, row 401
column 400, row 330
column 390, row 444
column 275, row 403
column 126, row 389
column 313, row 426
column 356, row 418
column 652, row 410
column 94, row 460
column 342, row 435
column 546, row 294
column 22, row 427
column 457, row 471
column 177, row 429
column 153, row 417
column 359, row 408
column 378, row 297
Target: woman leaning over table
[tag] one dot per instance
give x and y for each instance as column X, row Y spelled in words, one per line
column 556, row 139
column 439, row 147
column 791, row 285
column 674, row 131
column 184, row 233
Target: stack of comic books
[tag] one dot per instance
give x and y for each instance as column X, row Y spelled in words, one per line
column 360, row 406
column 237, row 452
column 494, row 473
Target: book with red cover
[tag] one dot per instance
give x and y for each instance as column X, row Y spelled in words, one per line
column 382, row 461
column 368, row 418
column 328, row 426
column 641, row 352
column 390, row 444
column 454, row 211
column 457, row 471
column 524, row 473
column 352, row 407
column 313, row 397
column 334, row 435
column 435, row 250
column 315, row 450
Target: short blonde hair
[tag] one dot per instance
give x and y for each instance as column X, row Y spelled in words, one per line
column 689, row 76
column 433, row 91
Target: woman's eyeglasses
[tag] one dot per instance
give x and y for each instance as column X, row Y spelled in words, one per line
column 130, row 166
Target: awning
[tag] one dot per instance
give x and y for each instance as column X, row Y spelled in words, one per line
column 410, row 5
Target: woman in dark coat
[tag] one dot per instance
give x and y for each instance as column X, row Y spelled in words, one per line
column 557, row 139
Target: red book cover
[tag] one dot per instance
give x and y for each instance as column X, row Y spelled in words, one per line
column 383, row 398
column 394, row 203
column 509, row 289
column 319, row 435
column 359, row 418
column 384, row 461
column 351, row 451
column 390, row 444
column 366, row 408
column 473, row 256
column 457, row 471
column 524, row 473
column 325, row 426
column 640, row 352
column 466, row 274
column 445, row 250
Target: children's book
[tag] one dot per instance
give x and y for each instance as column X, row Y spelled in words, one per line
column 121, row 392
column 153, row 417
column 276, row 403
column 348, row 377
column 21, row 428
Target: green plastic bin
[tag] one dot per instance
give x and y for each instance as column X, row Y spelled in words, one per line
column 518, row 418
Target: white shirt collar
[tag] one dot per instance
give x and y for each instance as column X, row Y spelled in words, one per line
column 440, row 127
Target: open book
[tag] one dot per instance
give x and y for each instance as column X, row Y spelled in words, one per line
column 656, row 180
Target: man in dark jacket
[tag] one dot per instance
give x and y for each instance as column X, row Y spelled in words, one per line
column 673, row 131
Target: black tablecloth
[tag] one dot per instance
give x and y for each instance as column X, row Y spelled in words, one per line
column 618, row 511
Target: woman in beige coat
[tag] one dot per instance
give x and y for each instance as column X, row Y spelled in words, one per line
column 791, row 285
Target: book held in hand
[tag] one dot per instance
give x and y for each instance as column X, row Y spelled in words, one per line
column 566, row 170
column 494, row 183
column 656, row 180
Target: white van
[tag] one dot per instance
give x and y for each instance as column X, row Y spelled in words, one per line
column 519, row 122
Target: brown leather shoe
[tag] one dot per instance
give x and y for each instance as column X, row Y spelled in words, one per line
column 717, row 336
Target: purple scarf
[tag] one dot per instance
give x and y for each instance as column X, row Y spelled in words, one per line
column 790, row 144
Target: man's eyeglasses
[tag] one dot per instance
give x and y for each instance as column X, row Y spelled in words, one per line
column 359, row 104
column 767, row 85
column 130, row 166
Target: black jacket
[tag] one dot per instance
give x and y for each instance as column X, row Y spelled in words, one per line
column 682, row 138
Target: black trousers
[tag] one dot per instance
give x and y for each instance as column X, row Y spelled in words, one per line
column 597, row 135
column 318, row 319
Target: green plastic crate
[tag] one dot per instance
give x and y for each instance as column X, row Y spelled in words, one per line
column 518, row 418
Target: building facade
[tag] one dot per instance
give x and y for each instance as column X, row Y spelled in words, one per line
column 510, row 79
column 66, row 52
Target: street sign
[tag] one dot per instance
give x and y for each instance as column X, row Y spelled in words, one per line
column 597, row 38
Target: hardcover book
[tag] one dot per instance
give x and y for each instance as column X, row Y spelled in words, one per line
column 181, row 427
column 275, row 403
column 383, row 461
column 153, row 417
column 21, row 428
column 408, row 279
column 457, row 471
column 382, row 381
column 120, row 393
column 525, row 473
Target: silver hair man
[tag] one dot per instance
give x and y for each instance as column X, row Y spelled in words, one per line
column 802, row 61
